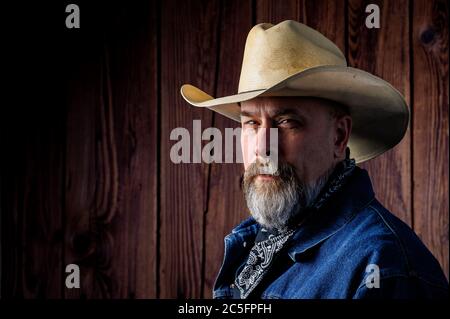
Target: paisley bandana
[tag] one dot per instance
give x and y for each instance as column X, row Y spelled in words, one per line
column 268, row 244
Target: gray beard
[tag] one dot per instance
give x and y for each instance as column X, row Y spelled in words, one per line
column 278, row 203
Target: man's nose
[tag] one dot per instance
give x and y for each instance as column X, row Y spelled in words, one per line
column 263, row 146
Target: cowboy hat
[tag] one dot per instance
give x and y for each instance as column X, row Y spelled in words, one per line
column 291, row 59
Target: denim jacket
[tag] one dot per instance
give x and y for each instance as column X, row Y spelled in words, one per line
column 352, row 248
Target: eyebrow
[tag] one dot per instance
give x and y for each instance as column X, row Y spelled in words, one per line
column 278, row 113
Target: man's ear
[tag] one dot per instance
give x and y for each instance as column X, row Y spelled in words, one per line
column 343, row 128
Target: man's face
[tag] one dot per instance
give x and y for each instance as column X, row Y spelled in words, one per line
column 310, row 142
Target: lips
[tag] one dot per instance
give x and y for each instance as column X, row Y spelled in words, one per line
column 265, row 176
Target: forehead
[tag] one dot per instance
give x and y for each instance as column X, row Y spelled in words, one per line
column 273, row 106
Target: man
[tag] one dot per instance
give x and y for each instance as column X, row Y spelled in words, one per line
column 317, row 230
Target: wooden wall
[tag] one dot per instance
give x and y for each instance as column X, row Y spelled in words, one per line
column 88, row 178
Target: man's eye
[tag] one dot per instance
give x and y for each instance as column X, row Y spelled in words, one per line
column 250, row 122
column 288, row 122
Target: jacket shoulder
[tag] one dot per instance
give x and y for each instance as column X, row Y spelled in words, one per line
column 390, row 244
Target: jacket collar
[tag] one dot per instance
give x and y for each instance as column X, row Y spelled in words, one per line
column 335, row 214
column 320, row 225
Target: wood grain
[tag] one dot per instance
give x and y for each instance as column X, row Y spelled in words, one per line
column 385, row 53
column 132, row 53
column 430, row 126
column 189, row 55
column 82, row 177
column 112, row 158
column 226, row 206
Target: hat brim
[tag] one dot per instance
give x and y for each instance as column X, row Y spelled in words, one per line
column 379, row 112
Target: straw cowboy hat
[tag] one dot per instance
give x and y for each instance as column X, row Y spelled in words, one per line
column 291, row 59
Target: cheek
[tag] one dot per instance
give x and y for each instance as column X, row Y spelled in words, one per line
column 309, row 154
column 318, row 150
column 292, row 148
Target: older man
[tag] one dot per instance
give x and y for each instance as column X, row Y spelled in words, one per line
column 317, row 230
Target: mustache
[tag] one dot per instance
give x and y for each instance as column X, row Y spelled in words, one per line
column 282, row 170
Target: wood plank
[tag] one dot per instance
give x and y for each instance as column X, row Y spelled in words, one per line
column 132, row 49
column 82, row 166
column 272, row 11
column 226, row 206
column 327, row 17
column 188, row 55
column 112, row 155
column 385, row 53
column 430, row 131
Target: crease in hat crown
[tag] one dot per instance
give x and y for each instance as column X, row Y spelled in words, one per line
column 275, row 52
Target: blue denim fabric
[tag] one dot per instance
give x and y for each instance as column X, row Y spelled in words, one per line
column 329, row 253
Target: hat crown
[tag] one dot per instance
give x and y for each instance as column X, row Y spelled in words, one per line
column 274, row 52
